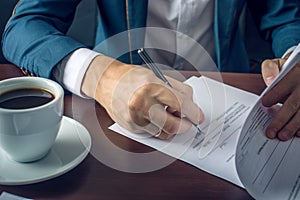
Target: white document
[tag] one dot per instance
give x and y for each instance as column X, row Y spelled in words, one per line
column 233, row 144
column 225, row 110
column 269, row 169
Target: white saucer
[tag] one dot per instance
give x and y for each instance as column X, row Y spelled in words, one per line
column 72, row 145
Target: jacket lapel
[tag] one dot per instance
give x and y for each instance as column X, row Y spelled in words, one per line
column 230, row 50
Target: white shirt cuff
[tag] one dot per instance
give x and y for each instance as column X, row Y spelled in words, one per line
column 71, row 70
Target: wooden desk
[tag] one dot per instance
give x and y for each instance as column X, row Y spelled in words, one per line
column 94, row 180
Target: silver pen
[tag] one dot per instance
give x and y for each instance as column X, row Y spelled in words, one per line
column 149, row 62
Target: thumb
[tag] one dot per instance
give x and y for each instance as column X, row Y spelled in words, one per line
column 270, row 69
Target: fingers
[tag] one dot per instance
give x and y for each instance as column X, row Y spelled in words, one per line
column 283, row 131
column 277, row 94
column 156, row 132
column 298, row 133
column 283, row 89
column 163, row 125
column 167, row 122
column 189, row 108
column 286, row 123
column 140, row 99
column 180, row 100
column 147, row 105
column 164, row 136
column 270, row 69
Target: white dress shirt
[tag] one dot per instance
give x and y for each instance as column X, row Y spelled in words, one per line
column 192, row 18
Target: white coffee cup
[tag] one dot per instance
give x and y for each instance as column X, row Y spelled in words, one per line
column 27, row 134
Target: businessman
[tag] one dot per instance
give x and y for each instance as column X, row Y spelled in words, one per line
column 35, row 39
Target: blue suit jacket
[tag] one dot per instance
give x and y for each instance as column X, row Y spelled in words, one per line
column 35, row 36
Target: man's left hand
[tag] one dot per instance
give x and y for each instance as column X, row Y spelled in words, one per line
column 286, row 123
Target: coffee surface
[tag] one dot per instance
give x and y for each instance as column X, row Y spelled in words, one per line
column 25, row 98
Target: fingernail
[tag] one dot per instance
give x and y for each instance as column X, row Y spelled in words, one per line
column 298, row 133
column 269, row 80
column 284, row 135
column 271, row 133
column 202, row 118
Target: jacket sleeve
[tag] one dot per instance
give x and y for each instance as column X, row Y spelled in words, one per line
column 34, row 37
column 278, row 21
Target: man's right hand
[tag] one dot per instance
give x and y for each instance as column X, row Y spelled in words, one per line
column 136, row 99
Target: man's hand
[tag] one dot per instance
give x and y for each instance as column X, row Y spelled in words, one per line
column 286, row 123
column 137, row 100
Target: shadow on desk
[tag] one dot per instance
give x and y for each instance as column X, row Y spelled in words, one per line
column 64, row 185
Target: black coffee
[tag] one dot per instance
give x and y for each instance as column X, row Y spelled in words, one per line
column 25, row 98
